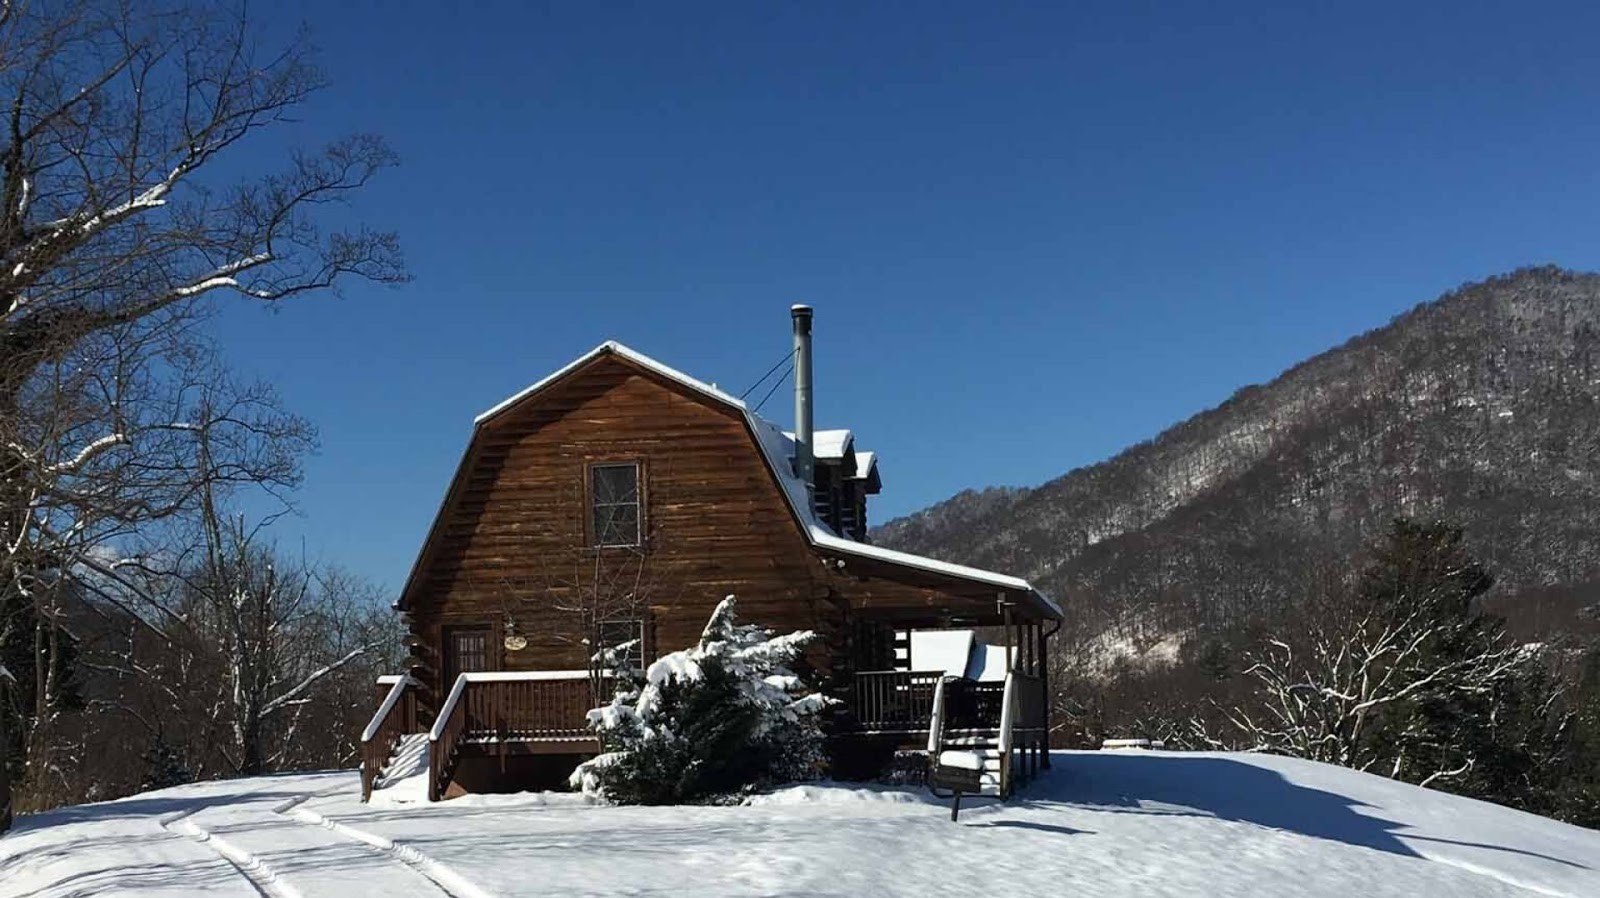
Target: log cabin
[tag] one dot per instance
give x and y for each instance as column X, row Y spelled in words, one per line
column 618, row 500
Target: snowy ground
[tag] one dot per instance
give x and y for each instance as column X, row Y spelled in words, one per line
column 1130, row 823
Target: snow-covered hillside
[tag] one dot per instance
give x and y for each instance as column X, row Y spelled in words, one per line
column 1133, row 823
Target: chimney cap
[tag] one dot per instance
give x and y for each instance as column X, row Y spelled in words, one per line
column 800, row 309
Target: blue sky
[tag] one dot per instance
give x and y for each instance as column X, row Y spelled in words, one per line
column 1033, row 235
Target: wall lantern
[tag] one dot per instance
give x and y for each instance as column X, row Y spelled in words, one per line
column 515, row 642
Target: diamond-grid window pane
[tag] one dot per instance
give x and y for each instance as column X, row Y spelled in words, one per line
column 614, row 510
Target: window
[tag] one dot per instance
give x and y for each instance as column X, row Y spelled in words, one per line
column 614, row 504
column 612, row 633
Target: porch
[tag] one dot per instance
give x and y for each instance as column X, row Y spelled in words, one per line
column 1004, row 722
column 969, row 673
column 938, row 688
column 506, row 715
column 499, row 714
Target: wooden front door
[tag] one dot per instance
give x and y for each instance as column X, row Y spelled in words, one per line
column 466, row 649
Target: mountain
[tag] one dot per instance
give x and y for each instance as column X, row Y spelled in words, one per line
column 1481, row 408
column 1113, row 823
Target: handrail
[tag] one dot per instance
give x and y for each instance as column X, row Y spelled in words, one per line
column 496, row 706
column 501, row 676
column 393, row 698
column 973, row 704
column 442, row 738
column 396, row 716
column 936, row 720
column 1008, row 715
column 448, row 710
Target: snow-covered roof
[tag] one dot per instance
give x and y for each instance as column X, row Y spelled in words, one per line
column 865, row 460
column 830, row 444
column 944, row 650
column 778, row 449
column 621, row 351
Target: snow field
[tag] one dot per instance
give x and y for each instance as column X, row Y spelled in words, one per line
column 1144, row 823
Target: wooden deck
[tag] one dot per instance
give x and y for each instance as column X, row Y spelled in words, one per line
column 533, row 712
column 545, row 713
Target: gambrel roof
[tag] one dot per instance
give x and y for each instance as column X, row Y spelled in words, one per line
column 777, row 450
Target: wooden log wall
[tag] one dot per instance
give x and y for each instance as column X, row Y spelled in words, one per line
column 511, row 542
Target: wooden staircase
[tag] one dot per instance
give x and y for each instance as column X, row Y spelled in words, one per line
column 986, row 745
column 1001, row 723
column 404, row 775
column 394, row 725
column 485, row 713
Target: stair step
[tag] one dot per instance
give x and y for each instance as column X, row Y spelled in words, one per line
column 409, row 759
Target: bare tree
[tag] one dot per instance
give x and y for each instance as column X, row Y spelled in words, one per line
column 257, row 615
column 115, row 232
column 96, row 517
column 1397, row 674
column 108, row 222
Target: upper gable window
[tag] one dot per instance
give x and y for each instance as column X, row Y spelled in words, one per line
column 614, row 513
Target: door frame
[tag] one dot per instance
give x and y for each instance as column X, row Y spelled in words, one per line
column 447, row 632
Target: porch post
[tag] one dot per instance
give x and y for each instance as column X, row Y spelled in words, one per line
column 1005, row 623
column 1044, row 686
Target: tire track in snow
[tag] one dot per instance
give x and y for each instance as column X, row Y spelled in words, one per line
column 445, row 878
column 261, row 877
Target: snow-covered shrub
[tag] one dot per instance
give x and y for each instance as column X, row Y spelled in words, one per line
column 906, row 768
column 722, row 718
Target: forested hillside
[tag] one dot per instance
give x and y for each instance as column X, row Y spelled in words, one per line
column 1481, row 407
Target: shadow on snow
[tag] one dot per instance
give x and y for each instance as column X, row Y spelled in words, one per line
column 1227, row 789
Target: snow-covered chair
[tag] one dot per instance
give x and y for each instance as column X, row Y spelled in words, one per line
column 959, row 772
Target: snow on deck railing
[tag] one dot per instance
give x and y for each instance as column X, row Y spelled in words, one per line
column 1008, row 719
column 390, row 679
column 398, row 684
column 499, row 676
column 936, row 719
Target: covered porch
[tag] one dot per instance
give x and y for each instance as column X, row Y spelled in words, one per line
column 939, row 658
column 931, row 659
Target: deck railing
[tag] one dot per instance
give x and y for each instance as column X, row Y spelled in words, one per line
column 506, row 707
column 894, row 700
column 1024, row 732
column 1011, row 712
column 973, row 704
column 396, row 717
column 1030, row 703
